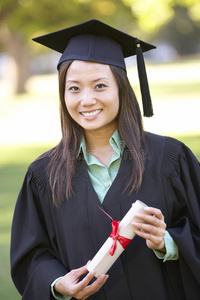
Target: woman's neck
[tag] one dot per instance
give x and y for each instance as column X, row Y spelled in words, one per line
column 97, row 144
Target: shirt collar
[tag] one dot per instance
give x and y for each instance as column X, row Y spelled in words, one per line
column 115, row 141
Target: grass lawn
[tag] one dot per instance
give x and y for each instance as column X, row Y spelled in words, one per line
column 13, row 165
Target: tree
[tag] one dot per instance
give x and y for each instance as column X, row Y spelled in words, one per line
column 175, row 21
column 20, row 20
column 182, row 32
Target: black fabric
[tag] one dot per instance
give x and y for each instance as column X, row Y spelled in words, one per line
column 144, row 85
column 94, row 48
column 110, row 46
column 48, row 242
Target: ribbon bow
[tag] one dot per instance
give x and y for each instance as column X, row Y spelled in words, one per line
column 115, row 236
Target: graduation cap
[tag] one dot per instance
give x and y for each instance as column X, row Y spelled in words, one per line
column 98, row 42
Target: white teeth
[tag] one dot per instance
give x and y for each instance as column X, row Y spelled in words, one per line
column 92, row 113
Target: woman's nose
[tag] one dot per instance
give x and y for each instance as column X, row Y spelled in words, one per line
column 88, row 99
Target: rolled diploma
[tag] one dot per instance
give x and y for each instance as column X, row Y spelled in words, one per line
column 102, row 261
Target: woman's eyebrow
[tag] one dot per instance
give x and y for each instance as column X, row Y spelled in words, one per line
column 95, row 80
column 71, row 80
column 100, row 79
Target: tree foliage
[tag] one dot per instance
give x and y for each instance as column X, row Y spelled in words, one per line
column 175, row 21
column 20, row 20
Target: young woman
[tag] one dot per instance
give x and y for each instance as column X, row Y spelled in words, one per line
column 105, row 159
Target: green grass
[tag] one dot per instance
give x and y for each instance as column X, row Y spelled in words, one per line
column 193, row 142
column 172, row 91
column 172, row 80
column 187, row 89
column 13, row 165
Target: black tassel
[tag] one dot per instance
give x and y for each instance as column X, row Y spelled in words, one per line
column 144, row 86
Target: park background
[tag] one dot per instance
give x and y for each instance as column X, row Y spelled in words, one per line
column 29, row 112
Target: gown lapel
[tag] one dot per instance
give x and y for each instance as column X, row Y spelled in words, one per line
column 101, row 227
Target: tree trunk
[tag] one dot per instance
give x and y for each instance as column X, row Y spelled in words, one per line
column 18, row 50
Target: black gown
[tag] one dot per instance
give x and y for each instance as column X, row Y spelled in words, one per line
column 47, row 242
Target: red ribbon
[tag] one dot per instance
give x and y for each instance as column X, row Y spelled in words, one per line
column 115, row 236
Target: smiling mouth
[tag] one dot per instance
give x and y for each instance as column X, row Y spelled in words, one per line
column 92, row 113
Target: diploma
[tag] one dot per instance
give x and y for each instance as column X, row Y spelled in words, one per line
column 106, row 257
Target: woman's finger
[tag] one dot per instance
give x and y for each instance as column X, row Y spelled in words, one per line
column 85, row 281
column 150, row 219
column 83, row 290
column 95, row 286
column 154, row 211
column 152, row 227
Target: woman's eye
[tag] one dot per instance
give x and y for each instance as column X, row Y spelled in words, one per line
column 73, row 88
column 100, row 86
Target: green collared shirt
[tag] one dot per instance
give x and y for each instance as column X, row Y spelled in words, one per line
column 102, row 177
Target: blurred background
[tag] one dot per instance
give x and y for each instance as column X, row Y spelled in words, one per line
column 29, row 112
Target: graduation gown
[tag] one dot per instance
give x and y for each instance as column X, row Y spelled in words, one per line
column 47, row 242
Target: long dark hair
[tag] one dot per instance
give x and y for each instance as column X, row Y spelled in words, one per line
column 63, row 160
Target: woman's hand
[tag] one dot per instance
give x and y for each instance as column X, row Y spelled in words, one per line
column 71, row 286
column 153, row 228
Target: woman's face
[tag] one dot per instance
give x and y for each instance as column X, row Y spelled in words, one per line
column 91, row 95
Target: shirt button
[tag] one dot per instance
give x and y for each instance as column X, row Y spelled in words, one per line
column 107, row 185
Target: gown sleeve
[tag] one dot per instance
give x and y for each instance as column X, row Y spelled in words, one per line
column 181, row 181
column 34, row 259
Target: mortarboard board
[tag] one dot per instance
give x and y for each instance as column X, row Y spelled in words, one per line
column 98, row 42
